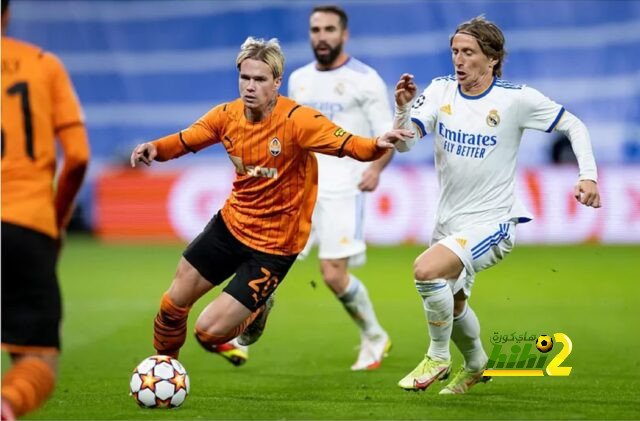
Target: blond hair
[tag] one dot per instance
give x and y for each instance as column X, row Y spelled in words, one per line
column 268, row 52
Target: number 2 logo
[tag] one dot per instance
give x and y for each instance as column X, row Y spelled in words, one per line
column 554, row 369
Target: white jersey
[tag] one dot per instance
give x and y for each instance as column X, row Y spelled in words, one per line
column 476, row 146
column 354, row 97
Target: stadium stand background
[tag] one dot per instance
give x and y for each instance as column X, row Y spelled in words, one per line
column 144, row 69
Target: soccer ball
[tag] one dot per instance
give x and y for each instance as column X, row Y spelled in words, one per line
column 159, row 382
column 544, row 343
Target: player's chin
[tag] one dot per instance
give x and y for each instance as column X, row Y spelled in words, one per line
column 250, row 103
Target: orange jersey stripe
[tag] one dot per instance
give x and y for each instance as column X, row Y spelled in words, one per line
column 275, row 189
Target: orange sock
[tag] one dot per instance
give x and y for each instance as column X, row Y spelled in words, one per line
column 170, row 327
column 209, row 341
column 27, row 385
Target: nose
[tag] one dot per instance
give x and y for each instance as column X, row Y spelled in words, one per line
column 457, row 60
column 251, row 86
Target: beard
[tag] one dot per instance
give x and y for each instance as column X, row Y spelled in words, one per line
column 327, row 59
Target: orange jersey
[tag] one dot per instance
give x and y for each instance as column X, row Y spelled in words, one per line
column 274, row 192
column 38, row 103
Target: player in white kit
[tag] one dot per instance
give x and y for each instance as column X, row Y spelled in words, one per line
column 352, row 95
column 478, row 121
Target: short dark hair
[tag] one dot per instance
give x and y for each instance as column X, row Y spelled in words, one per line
column 489, row 37
column 336, row 10
column 5, row 4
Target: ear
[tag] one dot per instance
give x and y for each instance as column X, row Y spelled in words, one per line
column 278, row 82
column 345, row 35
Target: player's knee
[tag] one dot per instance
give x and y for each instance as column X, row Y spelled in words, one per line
column 208, row 337
column 424, row 272
column 335, row 276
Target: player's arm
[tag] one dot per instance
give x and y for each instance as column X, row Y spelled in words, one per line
column 405, row 92
column 71, row 133
column 375, row 105
column 199, row 135
column 586, row 190
column 536, row 111
column 317, row 133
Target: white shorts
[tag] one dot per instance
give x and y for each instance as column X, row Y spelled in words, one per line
column 337, row 225
column 479, row 248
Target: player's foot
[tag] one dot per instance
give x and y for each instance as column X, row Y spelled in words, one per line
column 253, row 332
column 233, row 352
column 425, row 374
column 463, row 381
column 372, row 351
column 6, row 412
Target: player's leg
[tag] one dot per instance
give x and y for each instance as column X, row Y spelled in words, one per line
column 484, row 247
column 339, row 225
column 432, row 271
column 170, row 324
column 466, row 334
column 31, row 315
column 354, row 296
column 206, row 262
column 242, row 308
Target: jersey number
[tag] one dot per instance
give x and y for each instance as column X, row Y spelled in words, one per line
column 22, row 89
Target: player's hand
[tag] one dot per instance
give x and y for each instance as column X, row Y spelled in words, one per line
column 370, row 179
column 405, row 90
column 144, row 152
column 389, row 139
column 586, row 192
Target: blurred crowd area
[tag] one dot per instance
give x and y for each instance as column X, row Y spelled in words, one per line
column 143, row 69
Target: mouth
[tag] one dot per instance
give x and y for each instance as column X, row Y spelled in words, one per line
column 323, row 49
column 460, row 74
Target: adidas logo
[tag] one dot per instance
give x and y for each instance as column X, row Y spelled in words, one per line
column 446, row 109
column 461, row 241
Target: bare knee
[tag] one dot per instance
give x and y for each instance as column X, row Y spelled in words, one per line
column 424, row 271
column 335, row 275
column 437, row 262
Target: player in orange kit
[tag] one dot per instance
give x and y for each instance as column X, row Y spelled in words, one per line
column 39, row 105
column 266, row 220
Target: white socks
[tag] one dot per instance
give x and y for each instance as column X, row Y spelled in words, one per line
column 466, row 336
column 438, row 306
column 356, row 301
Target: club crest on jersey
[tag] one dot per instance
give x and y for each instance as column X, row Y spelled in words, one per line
column 493, row 119
column 275, row 147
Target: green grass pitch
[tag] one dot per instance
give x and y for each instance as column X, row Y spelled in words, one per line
column 300, row 367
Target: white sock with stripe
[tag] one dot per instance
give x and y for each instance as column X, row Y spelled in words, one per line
column 356, row 301
column 466, row 336
column 438, row 307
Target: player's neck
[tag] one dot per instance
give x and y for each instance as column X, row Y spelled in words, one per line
column 259, row 114
column 339, row 61
column 477, row 87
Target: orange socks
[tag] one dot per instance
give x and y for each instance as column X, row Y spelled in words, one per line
column 209, row 341
column 27, row 385
column 170, row 327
